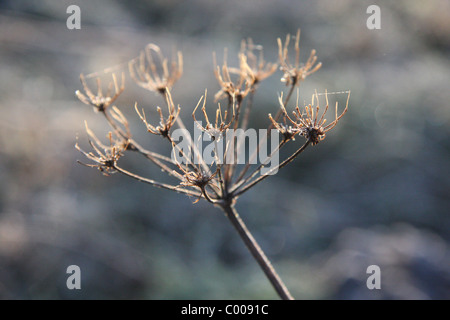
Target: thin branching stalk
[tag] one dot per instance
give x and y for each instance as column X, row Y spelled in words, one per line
column 218, row 183
column 155, row 183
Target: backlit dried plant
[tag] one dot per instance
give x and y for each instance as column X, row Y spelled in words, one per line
column 308, row 123
column 200, row 179
column 253, row 64
column 221, row 124
column 294, row 74
column 234, row 91
column 219, row 182
column 99, row 101
column 164, row 126
column 104, row 157
column 157, row 77
column 288, row 132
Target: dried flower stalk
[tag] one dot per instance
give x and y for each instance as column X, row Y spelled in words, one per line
column 218, row 183
column 99, row 101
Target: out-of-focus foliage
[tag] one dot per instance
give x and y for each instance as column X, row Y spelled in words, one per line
column 376, row 191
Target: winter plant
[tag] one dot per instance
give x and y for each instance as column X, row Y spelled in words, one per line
column 220, row 179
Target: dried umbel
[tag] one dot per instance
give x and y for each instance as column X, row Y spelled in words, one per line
column 308, row 123
column 156, row 76
column 288, row 132
column 253, row 64
column 165, row 124
column 222, row 123
column 201, row 179
column 294, row 74
column 234, row 91
column 104, row 157
column 220, row 183
column 99, row 101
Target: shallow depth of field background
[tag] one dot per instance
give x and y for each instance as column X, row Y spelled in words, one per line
column 376, row 191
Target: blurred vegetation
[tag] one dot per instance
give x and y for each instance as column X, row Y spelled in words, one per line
column 376, row 191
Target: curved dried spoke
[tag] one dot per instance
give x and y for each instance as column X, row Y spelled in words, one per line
column 157, row 184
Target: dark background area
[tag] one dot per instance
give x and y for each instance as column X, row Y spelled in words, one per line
column 375, row 191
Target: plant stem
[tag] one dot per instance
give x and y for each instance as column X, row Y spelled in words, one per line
column 256, row 251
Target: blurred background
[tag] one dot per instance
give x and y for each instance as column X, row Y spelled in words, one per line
column 375, row 192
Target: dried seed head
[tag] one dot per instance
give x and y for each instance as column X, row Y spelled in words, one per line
column 165, row 124
column 105, row 157
column 215, row 131
column 235, row 91
column 157, row 77
column 309, row 124
column 99, row 101
column 288, row 132
column 254, row 67
column 198, row 179
column 294, row 74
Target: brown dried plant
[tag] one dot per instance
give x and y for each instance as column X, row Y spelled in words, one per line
column 234, row 91
column 147, row 74
column 164, row 126
column 253, row 65
column 308, row 123
column 104, row 157
column 294, row 74
column 218, row 182
column 100, row 102
column 220, row 126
